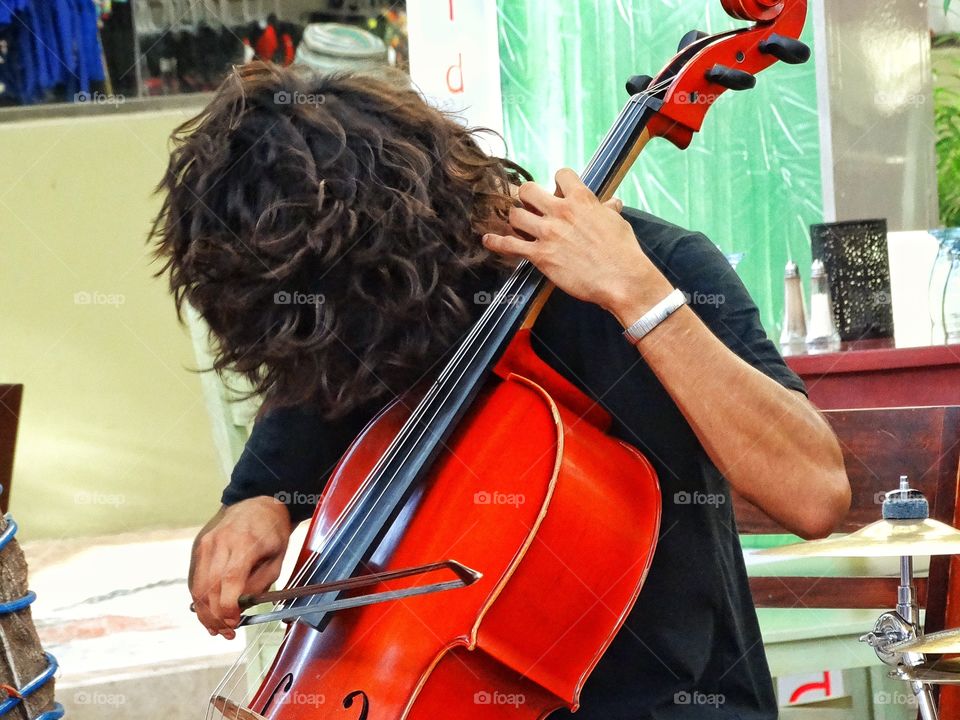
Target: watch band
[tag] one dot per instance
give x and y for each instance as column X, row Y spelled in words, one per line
column 656, row 315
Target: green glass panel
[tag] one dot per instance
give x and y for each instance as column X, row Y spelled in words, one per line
column 751, row 179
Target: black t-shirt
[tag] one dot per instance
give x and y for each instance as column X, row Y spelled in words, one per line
column 691, row 647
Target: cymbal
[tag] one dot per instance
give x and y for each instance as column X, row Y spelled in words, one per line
column 884, row 538
column 937, row 643
column 942, row 672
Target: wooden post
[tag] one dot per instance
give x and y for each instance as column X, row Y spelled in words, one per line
column 21, row 656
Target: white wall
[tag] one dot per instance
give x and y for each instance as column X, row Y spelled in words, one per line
column 114, row 433
column 940, row 22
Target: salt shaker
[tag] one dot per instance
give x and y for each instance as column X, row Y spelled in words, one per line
column 822, row 335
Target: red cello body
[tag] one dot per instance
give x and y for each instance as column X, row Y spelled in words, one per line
column 561, row 518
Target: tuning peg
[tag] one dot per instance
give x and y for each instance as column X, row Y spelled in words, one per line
column 730, row 78
column 638, row 83
column 786, row 49
column 690, row 38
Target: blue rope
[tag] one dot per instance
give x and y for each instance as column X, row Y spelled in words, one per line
column 31, row 687
column 54, row 714
column 9, row 531
column 18, row 604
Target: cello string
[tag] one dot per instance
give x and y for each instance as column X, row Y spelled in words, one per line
column 236, row 675
column 240, row 674
column 521, row 275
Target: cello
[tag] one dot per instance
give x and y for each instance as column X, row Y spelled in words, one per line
column 520, row 561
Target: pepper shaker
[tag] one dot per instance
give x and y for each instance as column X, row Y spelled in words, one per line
column 794, row 336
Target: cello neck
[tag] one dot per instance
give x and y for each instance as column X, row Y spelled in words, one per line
column 620, row 147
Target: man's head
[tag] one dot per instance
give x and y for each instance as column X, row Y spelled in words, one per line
column 327, row 229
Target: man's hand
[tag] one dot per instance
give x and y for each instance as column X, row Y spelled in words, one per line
column 582, row 245
column 239, row 551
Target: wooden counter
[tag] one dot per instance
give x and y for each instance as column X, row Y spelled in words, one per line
column 876, row 374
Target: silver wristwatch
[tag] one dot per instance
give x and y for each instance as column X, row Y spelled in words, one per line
column 656, row 315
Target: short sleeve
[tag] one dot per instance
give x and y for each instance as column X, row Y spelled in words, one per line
column 717, row 295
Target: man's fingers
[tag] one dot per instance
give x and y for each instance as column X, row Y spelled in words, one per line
column 510, row 245
column 234, row 583
column 526, row 221
column 218, row 605
column 537, row 197
column 571, row 186
column 230, row 590
column 264, row 575
column 237, row 582
column 240, row 550
column 206, row 586
column 615, row 204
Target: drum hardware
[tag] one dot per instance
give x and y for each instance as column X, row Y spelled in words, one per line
column 890, row 629
column 897, row 637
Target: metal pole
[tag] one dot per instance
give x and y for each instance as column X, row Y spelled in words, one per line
column 907, row 608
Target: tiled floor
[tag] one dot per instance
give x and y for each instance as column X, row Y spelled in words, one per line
column 115, row 613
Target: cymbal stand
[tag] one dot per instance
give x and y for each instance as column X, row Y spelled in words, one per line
column 904, row 624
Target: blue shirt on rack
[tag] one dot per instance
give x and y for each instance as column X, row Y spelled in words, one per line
column 49, row 44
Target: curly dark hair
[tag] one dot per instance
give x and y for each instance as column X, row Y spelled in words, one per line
column 327, row 229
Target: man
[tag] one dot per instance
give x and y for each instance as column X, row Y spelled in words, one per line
column 334, row 232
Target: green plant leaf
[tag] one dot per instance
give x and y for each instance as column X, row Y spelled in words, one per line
column 946, row 6
column 947, row 117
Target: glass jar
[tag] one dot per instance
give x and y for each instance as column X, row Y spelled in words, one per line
column 951, row 298
column 947, row 240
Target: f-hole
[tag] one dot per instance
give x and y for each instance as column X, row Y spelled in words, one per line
column 283, row 686
column 364, row 708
